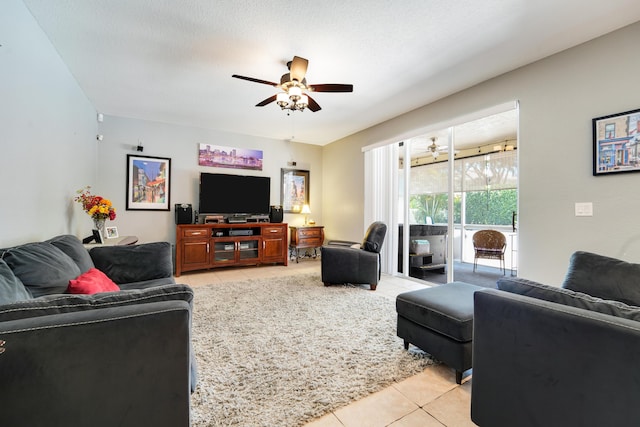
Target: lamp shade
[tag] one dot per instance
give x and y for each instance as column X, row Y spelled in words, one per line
column 305, row 209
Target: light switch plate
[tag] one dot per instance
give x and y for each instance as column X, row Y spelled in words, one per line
column 584, row 209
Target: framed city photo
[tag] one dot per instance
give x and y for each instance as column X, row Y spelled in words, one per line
column 615, row 143
column 148, row 183
column 294, row 190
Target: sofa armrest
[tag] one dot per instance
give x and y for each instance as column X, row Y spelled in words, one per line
column 125, row 366
column 539, row 363
column 134, row 263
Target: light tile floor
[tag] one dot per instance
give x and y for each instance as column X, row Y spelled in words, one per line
column 429, row 399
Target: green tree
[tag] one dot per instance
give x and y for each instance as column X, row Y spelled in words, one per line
column 491, row 207
column 434, row 206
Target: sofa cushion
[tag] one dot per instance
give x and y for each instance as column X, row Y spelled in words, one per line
column 91, row 282
column 604, row 277
column 568, row 297
column 42, row 268
column 134, row 263
column 67, row 303
column 11, row 288
column 72, row 246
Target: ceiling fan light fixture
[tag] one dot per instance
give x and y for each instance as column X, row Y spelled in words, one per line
column 294, row 93
column 282, row 99
column 294, row 85
column 302, row 103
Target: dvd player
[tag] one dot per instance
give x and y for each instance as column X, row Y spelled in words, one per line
column 237, row 220
column 248, row 232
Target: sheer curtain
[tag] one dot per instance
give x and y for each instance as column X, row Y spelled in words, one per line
column 381, row 196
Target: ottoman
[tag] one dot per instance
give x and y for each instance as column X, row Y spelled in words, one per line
column 439, row 320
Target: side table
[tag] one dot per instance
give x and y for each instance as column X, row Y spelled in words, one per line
column 119, row 241
column 306, row 237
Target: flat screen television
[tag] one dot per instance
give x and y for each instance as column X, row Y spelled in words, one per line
column 234, row 194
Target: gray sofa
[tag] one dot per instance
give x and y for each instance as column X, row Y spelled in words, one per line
column 108, row 359
column 559, row 356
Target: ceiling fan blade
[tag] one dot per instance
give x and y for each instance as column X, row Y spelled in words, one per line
column 298, row 68
column 331, row 87
column 251, row 79
column 313, row 105
column 267, row 101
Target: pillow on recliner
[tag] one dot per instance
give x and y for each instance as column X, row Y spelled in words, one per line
column 42, row 268
column 568, row 297
column 93, row 281
column 11, row 288
column 604, row 277
column 73, row 247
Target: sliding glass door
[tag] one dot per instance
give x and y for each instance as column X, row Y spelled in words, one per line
column 444, row 184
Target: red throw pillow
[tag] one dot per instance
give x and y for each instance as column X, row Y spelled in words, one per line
column 92, row 282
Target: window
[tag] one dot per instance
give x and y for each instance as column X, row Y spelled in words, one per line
column 610, row 131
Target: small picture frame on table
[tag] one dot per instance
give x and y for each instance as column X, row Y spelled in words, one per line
column 112, row 232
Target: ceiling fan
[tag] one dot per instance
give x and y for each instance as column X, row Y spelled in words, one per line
column 295, row 89
column 436, row 149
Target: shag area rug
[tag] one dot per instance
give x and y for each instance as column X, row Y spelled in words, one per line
column 283, row 351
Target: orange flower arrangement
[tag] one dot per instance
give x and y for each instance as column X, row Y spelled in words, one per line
column 95, row 206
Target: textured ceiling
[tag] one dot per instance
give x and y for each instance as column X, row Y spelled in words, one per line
column 171, row 61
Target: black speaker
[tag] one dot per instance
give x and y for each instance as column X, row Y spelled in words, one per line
column 275, row 214
column 184, row 213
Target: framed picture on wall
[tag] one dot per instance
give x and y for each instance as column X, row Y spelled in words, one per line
column 148, row 183
column 615, row 143
column 294, row 190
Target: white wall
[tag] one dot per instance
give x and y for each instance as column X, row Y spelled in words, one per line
column 48, row 129
column 180, row 144
column 558, row 98
column 47, row 135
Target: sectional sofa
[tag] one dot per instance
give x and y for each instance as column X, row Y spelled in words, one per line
column 559, row 355
column 99, row 338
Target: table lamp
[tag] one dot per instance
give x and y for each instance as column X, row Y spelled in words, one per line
column 306, row 211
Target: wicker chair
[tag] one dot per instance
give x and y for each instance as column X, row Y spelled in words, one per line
column 489, row 244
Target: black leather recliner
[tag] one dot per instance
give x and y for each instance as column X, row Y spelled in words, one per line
column 352, row 264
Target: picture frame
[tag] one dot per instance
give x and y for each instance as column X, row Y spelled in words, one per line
column 229, row 157
column 615, row 143
column 294, row 189
column 112, row 232
column 97, row 236
column 148, row 183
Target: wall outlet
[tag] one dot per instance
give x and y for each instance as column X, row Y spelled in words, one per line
column 584, row 209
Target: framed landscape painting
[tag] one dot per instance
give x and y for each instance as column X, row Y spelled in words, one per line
column 294, row 191
column 148, row 183
column 615, row 143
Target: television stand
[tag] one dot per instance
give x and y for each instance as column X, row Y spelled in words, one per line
column 205, row 246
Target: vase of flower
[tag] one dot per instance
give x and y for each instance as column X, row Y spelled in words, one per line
column 97, row 207
column 98, row 223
